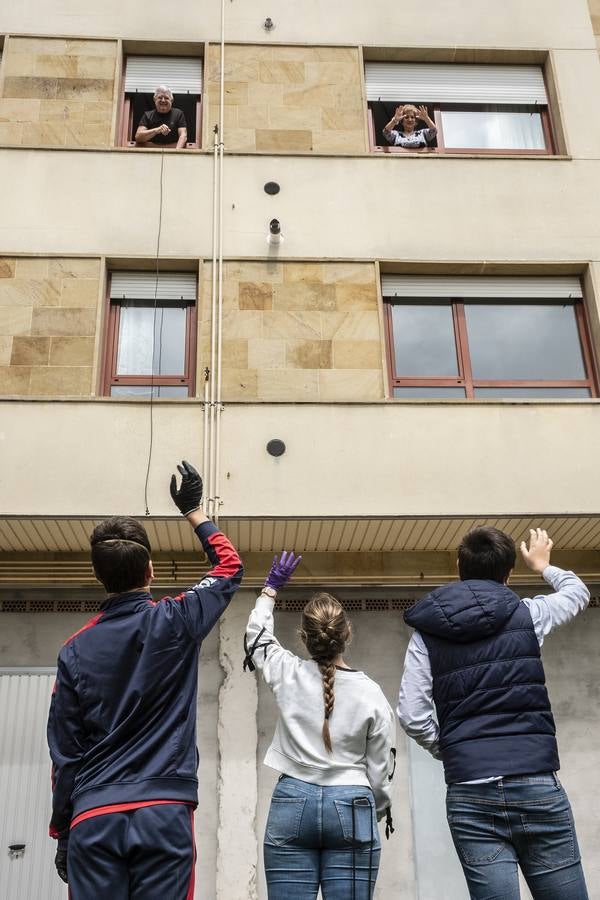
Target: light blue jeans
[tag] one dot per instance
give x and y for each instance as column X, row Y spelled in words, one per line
column 521, row 820
column 321, row 837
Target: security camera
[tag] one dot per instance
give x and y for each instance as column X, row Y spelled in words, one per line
column 274, row 236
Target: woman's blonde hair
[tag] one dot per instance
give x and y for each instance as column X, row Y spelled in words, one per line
column 325, row 631
column 408, row 107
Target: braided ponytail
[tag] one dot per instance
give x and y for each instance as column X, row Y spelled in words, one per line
column 327, row 670
column 325, row 631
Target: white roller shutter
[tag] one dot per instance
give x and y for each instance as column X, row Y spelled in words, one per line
column 433, row 83
column 25, row 788
column 182, row 74
column 173, row 286
column 482, row 287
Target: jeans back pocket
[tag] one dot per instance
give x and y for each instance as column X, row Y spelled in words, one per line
column 475, row 837
column 357, row 819
column 285, row 817
column 551, row 840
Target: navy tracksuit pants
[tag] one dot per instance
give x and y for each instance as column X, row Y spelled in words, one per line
column 141, row 854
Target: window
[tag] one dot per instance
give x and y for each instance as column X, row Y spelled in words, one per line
column 151, row 344
column 474, row 337
column 143, row 74
column 488, row 109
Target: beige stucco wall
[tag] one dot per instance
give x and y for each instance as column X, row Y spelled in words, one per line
column 57, row 92
column 537, row 23
column 298, row 331
column 48, row 314
column 288, row 98
column 341, row 460
column 486, row 209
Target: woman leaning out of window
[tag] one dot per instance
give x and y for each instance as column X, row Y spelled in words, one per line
column 408, row 135
column 334, row 747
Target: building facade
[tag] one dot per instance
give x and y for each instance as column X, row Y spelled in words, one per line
column 366, row 348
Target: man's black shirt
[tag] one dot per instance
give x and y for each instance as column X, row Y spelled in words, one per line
column 175, row 119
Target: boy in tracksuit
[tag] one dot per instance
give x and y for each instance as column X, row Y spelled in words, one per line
column 122, row 723
column 475, row 657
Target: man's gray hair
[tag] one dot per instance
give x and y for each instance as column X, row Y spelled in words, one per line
column 163, row 89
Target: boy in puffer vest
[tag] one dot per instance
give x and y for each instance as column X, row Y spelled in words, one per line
column 475, row 658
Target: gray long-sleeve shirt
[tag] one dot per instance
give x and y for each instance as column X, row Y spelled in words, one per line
column 548, row 611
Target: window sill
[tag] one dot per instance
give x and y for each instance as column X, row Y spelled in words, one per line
column 372, row 154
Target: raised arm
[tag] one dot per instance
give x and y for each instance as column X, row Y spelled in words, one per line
column 571, row 596
column 201, row 606
column 260, row 639
column 424, row 116
column 388, row 130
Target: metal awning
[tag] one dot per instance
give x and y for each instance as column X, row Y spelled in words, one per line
column 38, row 552
column 333, row 535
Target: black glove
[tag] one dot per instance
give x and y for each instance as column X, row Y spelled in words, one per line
column 60, row 860
column 187, row 498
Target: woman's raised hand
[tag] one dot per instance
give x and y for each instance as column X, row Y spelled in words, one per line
column 282, row 570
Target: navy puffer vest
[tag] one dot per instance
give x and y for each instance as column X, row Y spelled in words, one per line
column 488, row 681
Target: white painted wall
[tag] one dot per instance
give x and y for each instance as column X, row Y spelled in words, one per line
column 345, row 460
column 107, row 202
column 479, row 23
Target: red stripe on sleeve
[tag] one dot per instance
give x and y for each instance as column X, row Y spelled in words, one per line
column 229, row 562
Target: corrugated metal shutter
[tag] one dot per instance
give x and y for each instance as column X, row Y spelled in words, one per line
column 480, row 287
column 25, row 788
column 182, row 74
column 432, row 83
column 143, row 285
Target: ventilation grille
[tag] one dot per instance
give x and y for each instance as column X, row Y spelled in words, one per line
column 295, row 605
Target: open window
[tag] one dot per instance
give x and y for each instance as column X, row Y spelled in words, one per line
column 151, row 334
column 476, row 337
column 475, row 108
column 143, row 74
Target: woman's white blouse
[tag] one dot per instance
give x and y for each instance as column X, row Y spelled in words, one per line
column 362, row 724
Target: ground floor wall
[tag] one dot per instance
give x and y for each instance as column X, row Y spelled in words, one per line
column 236, row 719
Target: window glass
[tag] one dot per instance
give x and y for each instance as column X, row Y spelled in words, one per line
column 424, row 340
column 442, row 393
column 136, row 344
column 493, row 128
column 509, row 341
column 532, row 392
column 159, row 390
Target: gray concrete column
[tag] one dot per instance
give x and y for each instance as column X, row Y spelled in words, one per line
column 237, row 850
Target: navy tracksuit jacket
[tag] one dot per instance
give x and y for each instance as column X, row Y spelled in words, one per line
column 122, row 723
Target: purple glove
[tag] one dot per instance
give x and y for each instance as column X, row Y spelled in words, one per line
column 282, row 570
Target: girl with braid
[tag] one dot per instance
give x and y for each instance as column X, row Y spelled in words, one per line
column 334, row 746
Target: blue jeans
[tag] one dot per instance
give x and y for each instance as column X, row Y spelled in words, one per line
column 521, row 820
column 321, row 837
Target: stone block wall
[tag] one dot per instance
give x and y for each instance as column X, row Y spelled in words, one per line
column 594, row 7
column 48, row 311
column 297, row 331
column 280, row 99
column 58, row 92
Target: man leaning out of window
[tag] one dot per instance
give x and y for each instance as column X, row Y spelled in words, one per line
column 163, row 126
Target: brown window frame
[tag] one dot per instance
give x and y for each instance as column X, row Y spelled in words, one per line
column 465, row 379
column 110, row 378
column 439, row 108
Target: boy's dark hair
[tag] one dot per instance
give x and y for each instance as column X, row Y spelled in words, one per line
column 486, row 554
column 119, row 565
